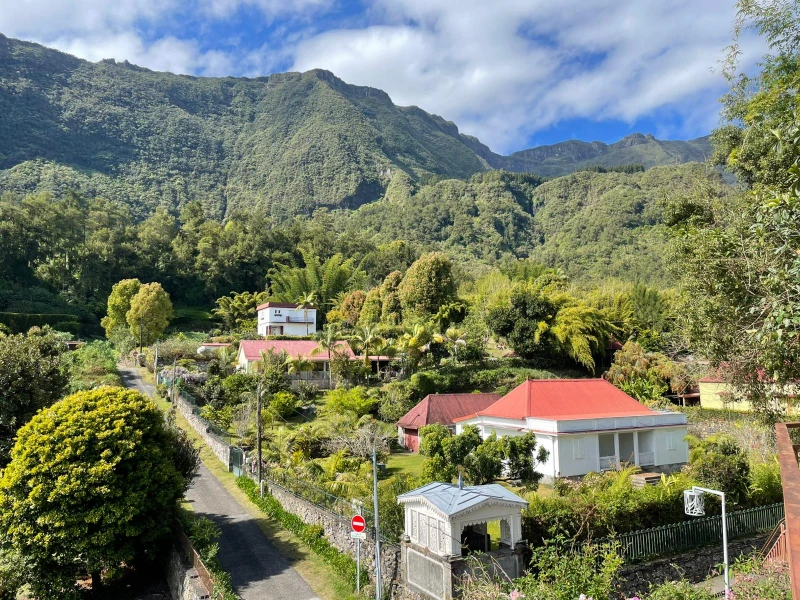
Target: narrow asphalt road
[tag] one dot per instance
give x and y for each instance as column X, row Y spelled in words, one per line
column 258, row 571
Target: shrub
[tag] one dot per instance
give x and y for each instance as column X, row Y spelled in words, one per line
column 765, row 482
column 93, row 365
column 283, row 404
column 718, row 462
column 355, row 400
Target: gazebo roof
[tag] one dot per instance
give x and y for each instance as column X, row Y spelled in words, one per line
column 452, row 499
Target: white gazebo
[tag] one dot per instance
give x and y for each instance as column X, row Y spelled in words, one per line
column 444, row 522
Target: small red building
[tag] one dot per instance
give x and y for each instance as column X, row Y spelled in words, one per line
column 443, row 409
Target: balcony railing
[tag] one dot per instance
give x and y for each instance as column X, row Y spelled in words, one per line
column 608, row 463
column 790, row 481
column 647, row 459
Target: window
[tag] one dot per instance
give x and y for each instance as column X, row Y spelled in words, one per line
column 577, row 449
column 423, row 530
column 671, row 442
column 414, row 529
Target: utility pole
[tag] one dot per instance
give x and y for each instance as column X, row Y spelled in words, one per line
column 258, row 430
column 378, row 582
column 174, row 375
column 140, row 335
column 155, row 363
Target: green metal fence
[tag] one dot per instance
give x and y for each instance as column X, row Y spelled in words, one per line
column 671, row 539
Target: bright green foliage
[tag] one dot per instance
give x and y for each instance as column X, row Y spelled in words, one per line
column 719, row 463
column 765, row 482
column 151, row 310
column 646, row 376
column 347, row 310
column 391, row 307
column 239, row 310
column 481, row 461
column 92, row 365
column 283, row 404
column 371, row 309
column 33, row 375
column 354, row 400
column 538, row 322
column 427, row 285
column 91, row 485
column 325, row 280
column 119, row 303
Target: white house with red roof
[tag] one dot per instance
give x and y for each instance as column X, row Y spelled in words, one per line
column 284, row 318
column 250, row 353
column 587, row 425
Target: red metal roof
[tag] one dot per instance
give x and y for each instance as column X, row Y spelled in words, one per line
column 252, row 348
column 445, row 409
column 214, row 344
column 278, row 305
column 564, row 400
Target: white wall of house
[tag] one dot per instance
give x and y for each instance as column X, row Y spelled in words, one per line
column 670, row 448
column 577, row 454
column 286, row 321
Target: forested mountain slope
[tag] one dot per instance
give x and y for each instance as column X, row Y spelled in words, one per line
column 592, row 225
column 285, row 144
column 288, row 143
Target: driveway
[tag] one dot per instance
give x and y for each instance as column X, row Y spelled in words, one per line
column 258, row 571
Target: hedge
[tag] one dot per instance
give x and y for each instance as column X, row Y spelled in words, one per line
column 311, row 535
column 22, row 322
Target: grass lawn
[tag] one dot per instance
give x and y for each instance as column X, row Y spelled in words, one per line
column 409, row 463
column 325, row 582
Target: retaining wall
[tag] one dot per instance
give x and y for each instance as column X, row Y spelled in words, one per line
column 219, row 448
column 337, row 531
column 182, row 579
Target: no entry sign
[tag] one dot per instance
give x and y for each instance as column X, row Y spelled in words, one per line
column 358, row 523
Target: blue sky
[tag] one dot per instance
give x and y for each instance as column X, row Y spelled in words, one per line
column 515, row 73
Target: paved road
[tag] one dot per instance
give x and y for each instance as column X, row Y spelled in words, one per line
column 258, row 571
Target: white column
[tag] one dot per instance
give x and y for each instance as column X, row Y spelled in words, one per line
column 636, row 448
column 616, row 448
column 597, row 439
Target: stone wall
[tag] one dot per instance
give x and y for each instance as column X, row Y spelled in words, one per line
column 337, row 531
column 182, row 579
column 695, row 566
column 220, row 449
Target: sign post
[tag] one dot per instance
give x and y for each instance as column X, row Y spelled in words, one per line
column 358, row 525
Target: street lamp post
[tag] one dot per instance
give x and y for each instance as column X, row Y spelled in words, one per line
column 694, row 506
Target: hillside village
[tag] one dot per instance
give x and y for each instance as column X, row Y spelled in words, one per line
column 281, row 337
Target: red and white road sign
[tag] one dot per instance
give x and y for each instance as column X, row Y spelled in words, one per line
column 358, row 523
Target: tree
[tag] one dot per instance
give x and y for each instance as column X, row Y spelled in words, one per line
column 347, row 309
column 719, row 463
column 646, row 375
column 118, row 305
column 427, row 285
column 328, row 342
column 371, row 309
column 453, row 338
column 391, row 307
column 150, row 313
column 367, row 338
column 306, row 301
column 238, row 311
column 355, row 400
column 411, row 346
column 33, row 375
column 92, row 485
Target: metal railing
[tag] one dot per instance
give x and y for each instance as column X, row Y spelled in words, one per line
column 217, row 432
column 775, row 549
column 647, row 459
column 337, row 506
column 686, row 535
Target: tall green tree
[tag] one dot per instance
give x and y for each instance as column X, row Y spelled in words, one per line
column 239, row 310
column 427, row 285
column 108, row 500
column 150, row 313
column 118, row 305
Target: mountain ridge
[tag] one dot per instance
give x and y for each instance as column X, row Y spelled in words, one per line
column 287, row 143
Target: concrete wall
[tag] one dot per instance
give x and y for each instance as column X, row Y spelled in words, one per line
column 674, row 452
column 337, row 531
column 695, row 566
column 182, row 579
column 220, row 449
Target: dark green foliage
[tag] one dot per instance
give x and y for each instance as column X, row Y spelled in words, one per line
column 21, row 322
column 426, row 286
column 310, row 535
column 719, row 463
column 33, row 375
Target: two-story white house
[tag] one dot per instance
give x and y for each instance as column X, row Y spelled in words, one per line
column 587, row 425
column 282, row 318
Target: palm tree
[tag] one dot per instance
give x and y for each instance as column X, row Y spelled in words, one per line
column 306, row 301
column 581, row 331
column 296, row 365
column 328, row 342
column 367, row 337
column 453, row 338
column 412, row 346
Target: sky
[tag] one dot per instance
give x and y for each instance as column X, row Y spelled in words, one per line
column 514, row 73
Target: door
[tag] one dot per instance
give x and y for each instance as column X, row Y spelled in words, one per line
column 608, row 453
column 237, row 461
column 626, row 449
column 411, row 439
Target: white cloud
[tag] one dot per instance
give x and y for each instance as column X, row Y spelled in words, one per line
column 506, row 69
